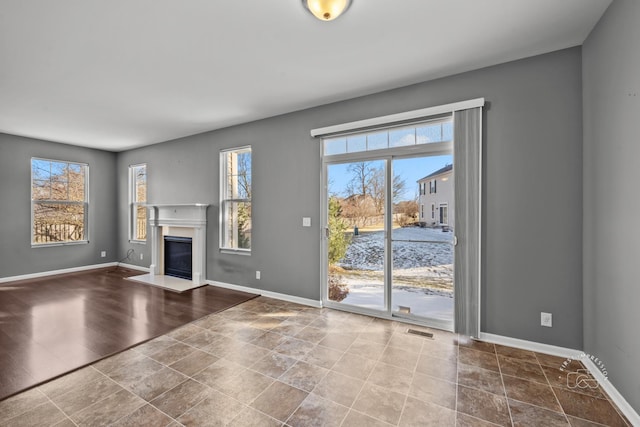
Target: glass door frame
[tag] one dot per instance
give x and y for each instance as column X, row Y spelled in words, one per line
column 388, row 155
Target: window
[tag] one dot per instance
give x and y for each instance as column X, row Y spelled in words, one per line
column 235, row 199
column 59, row 202
column 433, row 211
column 137, row 200
column 422, row 211
column 432, row 186
column 428, row 132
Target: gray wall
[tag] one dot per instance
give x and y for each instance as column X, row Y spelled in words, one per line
column 611, row 195
column 532, row 191
column 17, row 257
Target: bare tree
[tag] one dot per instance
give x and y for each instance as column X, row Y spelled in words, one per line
column 244, row 174
column 59, row 194
column 377, row 188
column 358, row 210
column 399, row 185
column 244, row 209
column 366, row 191
column 362, row 174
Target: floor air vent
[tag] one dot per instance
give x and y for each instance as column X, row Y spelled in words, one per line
column 421, row 333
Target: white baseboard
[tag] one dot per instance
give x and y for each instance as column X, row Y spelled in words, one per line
column 604, row 382
column 269, row 294
column 54, row 272
column 613, row 392
column 133, row 267
column 531, row 346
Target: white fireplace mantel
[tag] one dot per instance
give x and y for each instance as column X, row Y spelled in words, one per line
column 192, row 216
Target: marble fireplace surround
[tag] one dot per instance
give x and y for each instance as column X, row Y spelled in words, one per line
column 185, row 220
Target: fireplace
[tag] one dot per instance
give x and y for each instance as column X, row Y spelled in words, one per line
column 183, row 222
column 178, row 257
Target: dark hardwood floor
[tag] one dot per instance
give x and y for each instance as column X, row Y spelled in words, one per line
column 53, row 325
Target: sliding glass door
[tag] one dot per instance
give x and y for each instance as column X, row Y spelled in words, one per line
column 356, row 233
column 388, row 246
column 421, row 244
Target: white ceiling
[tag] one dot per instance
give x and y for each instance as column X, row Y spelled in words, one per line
column 120, row 74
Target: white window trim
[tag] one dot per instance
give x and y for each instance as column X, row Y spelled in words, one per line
column 133, row 204
column 223, row 171
column 85, row 203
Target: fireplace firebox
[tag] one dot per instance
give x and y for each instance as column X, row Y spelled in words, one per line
column 178, row 257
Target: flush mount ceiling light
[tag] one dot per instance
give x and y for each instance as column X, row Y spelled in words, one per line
column 326, row 10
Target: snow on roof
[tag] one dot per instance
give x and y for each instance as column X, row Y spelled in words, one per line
column 447, row 168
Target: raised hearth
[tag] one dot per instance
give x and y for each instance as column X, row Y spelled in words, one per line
column 185, row 221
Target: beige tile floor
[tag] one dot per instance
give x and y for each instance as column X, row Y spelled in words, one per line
column 273, row 363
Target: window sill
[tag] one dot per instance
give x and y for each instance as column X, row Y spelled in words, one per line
column 139, row 242
column 245, row 252
column 49, row 245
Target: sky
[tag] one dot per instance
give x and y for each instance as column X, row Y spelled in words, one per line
column 410, row 169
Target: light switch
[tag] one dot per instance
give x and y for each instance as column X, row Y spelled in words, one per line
column 546, row 319
column 306, row 222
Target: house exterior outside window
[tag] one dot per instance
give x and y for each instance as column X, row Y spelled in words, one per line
column 439, row 197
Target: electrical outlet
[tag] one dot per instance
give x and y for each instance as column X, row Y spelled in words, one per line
column 141, row 256
column 103, row 254
column 258, row 274
column 306, row 221
column 546, row 319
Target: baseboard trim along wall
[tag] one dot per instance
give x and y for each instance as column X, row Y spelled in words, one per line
column 54, row 272
column 613, row 392
column 269, row 294
column 586, row 359
column 133, row 267
column 531, row 346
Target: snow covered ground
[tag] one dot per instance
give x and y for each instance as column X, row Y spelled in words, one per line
column 366, row 251
column 422, row 271
column 421, row 301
